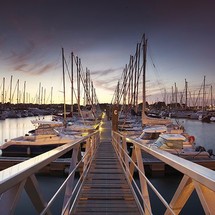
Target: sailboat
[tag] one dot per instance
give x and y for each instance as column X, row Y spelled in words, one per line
column 146, row 121
column 85, row 121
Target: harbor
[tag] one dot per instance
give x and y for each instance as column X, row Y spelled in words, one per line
column 107, row 107
column 107, row 155
column 52, row 182
column 203, row 133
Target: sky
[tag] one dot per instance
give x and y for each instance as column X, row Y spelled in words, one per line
column 103, row 34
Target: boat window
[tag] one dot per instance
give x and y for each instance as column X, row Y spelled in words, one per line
column 155, row 136
column 150, row 136
column 178, row 144
column 159, row 142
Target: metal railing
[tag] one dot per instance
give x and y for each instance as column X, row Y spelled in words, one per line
column 195, row 177
column 23, row 176
column 15, row 179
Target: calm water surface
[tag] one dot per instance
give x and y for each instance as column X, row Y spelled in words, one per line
column 203, row 132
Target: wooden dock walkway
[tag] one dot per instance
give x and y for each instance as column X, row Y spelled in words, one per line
column 105, row 189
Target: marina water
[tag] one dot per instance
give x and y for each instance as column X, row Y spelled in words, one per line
column 203, row 132
column 167, row 185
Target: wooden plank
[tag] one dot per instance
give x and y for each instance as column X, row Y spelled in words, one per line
column 105, row 189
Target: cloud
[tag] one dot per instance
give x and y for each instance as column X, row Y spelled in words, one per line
column 106, row 71
column 35, row 69
column 23, row 55
column 44, row 69
column 29, row 60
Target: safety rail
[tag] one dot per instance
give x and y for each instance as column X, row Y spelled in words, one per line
column 15, row 179
column 195, row 177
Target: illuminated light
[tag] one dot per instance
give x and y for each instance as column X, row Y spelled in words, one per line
column 101, row 128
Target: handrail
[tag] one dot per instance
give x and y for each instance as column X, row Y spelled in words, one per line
column 19, row 175
column 22, row 176
column 195, row 177
column 199, row 173
column 129, row 175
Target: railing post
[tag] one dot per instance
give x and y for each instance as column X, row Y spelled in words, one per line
column 32, row 188
column 182, row 194
column 69, row 185
column 88, row 152
column 206, row 197
column 125, row 158
column 115, row 118
column 132, row 167
column 143, row 183
column 9, row 199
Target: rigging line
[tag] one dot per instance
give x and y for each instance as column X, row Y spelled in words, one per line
column 88, row 98
column 81, row 76
column 123, row 88
column 67, row 68
column 199, row 93
column 80, row 109
column 14, row 90
column 155, row 69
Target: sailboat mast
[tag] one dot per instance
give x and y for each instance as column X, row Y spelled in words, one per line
column 144, row 75
column 24, row 92
column 44, row 97
column 203, row 98
column 39, row 93
column 11, row 81
column 51, row 94
column 211, row 98
column 176, row 96
column 64, row 95
column 72, row 56
column 3, row 91
column 17, row 91
column 78, row 83
column 41, row 99
column 185, row 94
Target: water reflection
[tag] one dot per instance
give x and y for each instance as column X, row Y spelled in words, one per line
column 203, row 132
column 11, row 128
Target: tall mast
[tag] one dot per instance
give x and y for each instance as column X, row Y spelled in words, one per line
column 24, row 92
column 132, row 81
column 92, row 94
column 203, row 98
column 39, row 93
column 124, row 85
column 144, row 74
column 211, row 98
column 72, row 56
column 176, row 96
column 17, row 98
column 78, row 83
column 44, row 95
column 136, row 76
column 145, row 119
column 86, row 89
column 11, row 81
column 51, row 94
column 3, row 91
column 185, row 94
column 64, row 94
column 41, row 99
